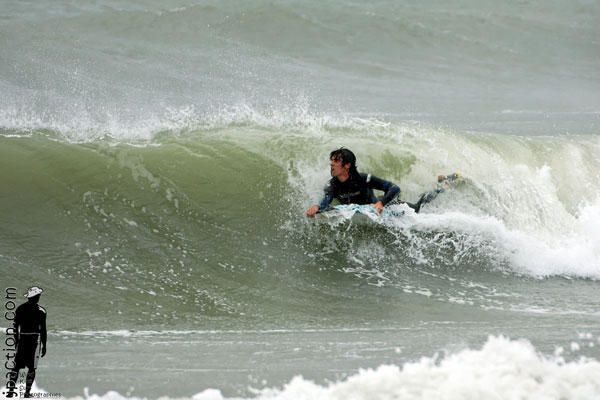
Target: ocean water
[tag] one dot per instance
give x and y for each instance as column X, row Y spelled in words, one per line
column 156, row 160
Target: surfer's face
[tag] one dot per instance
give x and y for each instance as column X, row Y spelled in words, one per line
column 337, row 169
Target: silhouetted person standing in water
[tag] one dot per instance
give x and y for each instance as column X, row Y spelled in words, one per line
column 30, row 334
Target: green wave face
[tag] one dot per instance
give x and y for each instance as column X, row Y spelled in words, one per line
column 208, row 226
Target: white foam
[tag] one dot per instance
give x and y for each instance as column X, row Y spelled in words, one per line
column 501, row 369
column 79, row 126
column 573, row 252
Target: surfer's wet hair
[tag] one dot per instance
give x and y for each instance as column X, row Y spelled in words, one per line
column 345, row 156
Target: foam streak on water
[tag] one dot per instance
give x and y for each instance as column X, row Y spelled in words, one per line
column 501, row 369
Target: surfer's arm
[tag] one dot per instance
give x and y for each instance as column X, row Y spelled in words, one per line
column 390, row 190
column 17, row 324
column 324, row 204
column 43, row 333
column 326, row 201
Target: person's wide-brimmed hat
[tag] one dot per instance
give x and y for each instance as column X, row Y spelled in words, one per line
column 33, row 291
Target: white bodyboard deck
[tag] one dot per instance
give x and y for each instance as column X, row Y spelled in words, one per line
column 361, row 213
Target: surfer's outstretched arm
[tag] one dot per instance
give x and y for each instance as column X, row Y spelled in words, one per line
column 325, row 202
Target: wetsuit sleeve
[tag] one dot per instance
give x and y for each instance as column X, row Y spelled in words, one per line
column 390, row 190
column 43, row 333
column 17, row 322
column 327, row 198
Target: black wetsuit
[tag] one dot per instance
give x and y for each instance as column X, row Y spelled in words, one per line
column 30, row 323
column 30, row 330
column 358, row 189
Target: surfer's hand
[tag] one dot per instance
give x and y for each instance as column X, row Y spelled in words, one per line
column 442, row 177
column 378, row 206
column 43, row 350
column 311, row 212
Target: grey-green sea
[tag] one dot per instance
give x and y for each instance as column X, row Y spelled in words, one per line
column 157, row 159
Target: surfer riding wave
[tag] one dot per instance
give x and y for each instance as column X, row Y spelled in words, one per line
column 348, row 186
